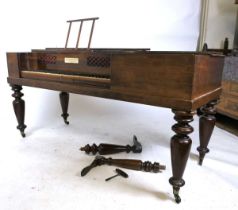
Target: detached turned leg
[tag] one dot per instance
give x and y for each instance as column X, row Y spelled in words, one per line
column 19, row 108
column 64, row 101
column 180, row 148
column 206, row 126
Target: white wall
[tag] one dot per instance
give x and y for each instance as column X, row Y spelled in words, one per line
column 159, row 24
column 221, row 23
column 28, row 24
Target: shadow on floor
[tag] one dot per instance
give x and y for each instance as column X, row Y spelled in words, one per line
column 227, row 123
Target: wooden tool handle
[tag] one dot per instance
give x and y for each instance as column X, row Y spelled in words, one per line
column 105, row 149
column 138, row 165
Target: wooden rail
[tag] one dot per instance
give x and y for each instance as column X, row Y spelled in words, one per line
column 80, row 30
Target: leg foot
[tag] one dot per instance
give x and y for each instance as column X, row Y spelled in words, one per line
column 64, row 101
column 176, row 195
column 19, row 108
column 176, row 187
column 180, row 148
column 206, row 126
column 22, row 131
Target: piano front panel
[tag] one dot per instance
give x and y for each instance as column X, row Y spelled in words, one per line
column 142, row 74
column 153, row 74
column 82, row 68
column 168, row 79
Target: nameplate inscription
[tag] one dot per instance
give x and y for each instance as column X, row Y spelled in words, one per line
column 71, row 60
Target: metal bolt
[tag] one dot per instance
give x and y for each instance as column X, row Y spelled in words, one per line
column 119, row 173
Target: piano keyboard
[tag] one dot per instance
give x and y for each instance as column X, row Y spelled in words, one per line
column 91, row 80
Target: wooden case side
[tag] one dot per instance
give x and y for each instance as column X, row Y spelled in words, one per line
column 153, row 75
column 207, row 79
column 13, row 67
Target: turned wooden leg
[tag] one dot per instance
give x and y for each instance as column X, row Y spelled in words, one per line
column 180, row 148
column 19, row 108
column 64, row 101
column 206, row 125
